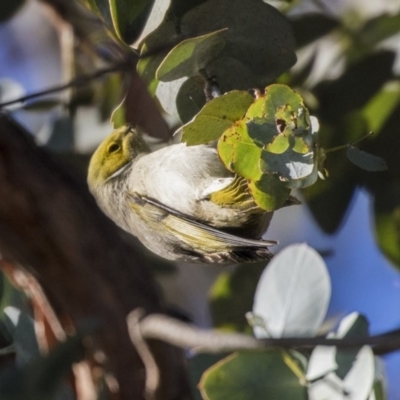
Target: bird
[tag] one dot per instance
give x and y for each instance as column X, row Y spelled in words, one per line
column 180, row 201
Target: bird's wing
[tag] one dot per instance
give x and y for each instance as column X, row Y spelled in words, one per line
column 188, row 230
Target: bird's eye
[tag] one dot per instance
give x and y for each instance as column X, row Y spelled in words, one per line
column 113, row 147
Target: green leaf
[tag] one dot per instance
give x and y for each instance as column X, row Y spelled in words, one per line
column 238, row 153
column 268, row 193
column 109, row 95
column 190, row 98
column 129, row 17
column 215, row 117
column 100, row 8
column 191, row 56
column 381, row 106
column 252, row 375
column 366, row 161
column 260, row 43
column 118, row 116
column 9, row 8
column 380, row 28
column 147, row 67
column 196, row 367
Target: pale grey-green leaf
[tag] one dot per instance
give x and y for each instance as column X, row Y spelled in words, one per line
column 365, row 160
column 293, row 293
column 358, row 382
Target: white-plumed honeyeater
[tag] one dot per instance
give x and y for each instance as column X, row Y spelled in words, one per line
column 180, row 201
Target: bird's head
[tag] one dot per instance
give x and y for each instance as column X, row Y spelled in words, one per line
column 114, row 154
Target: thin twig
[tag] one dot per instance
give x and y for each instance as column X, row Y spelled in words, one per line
column 152, row 371
column 181, row 334
column 78, row 81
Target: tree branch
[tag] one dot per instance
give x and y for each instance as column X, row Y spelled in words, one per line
column 183, row 335
column 78, row 81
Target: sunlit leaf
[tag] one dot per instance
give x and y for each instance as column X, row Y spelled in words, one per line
column 238, row 153
column 118, row 116
column 365, row 160
column 293, row 293
column 190, row 56
column 380, row 107
column 252, row 375
column 322, row 362
column 216, row 117
column 268, row 193
column 330, row 387
column 358, row 382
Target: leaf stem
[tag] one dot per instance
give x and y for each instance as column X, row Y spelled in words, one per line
column 344, row 146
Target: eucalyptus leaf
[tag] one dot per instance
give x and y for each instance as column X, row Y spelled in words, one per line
column 196, row 367
column 293, row 293
column 365, row 160
column 353, row 325
column 329, row 388
column 190, row 56
column 380, row 28
column 100, row 8
column 238, row 153
column 216, row 117
column 118, row 116
column 359, row 381
column 322, row 362
column 190, row 98
column 167, row 93
column 289, row 166
column 381, row 106
column 147, row 67
column 252, row 375
column 268, row 193
column 129, row 17
column 259, row 39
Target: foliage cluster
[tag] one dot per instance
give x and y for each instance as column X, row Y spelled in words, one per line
column 188, row 53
